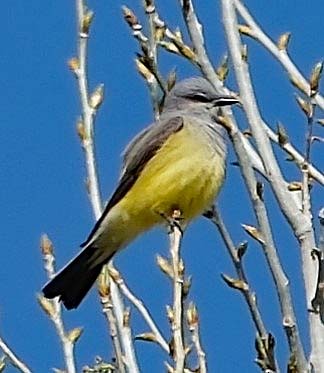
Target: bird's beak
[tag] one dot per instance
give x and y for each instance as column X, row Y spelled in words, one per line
column 226, row 100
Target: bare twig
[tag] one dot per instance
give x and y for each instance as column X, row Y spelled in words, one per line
column 88, row 111
column 195, row 31
column 306, row 202
column 15, row 361
column 202, row 59
column 280, row 54
column 279, row 277
column 318, row 300
column 237, row 261
column 200, row 352
column 295, row 155
column 116, row 277
column 175, row 236
column 150, row 10
column 146, row 61
column 236, row 255
column 193, row 322
column 54, row 310
column 276, row 180
column 250, row 298
column 90, row 105
column 196, row 35
column 295, row 217
column 121, row 314
column 300, row 223
column 108, row 310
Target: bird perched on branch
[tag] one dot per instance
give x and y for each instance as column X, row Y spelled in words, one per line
column 177, row 163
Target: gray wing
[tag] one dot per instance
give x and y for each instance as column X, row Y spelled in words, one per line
column 147, row 142
column 137, row 154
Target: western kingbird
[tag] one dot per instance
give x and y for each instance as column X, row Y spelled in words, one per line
column 177, row 163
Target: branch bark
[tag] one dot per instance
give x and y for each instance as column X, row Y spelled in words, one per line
column 300, row 223
column 281, row 55
column 90, row 105
column 279, row 277
column 53, row 308
column 16, row 362
column 175, row 236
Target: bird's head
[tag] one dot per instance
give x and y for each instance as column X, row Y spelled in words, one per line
column 196, row 92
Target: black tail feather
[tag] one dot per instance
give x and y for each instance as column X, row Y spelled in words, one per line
column 74, row 281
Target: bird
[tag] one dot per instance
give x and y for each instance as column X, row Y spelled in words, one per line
column 176, row 164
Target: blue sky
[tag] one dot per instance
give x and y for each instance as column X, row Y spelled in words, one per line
column 43, row 189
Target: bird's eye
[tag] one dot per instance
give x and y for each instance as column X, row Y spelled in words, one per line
column 199, row 97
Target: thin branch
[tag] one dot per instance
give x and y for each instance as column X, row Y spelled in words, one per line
column 124, row 330
column 15, row 361
column 306, row 202
column 250, row 298
column 196, row 35
column 295, row 217
column 90, row 105
column 318, row 300
column 54, row 310
column 200, row 352
column 280, row 54
column 295, row 155
column 301, row 224
column 279, row 277
column 146, row 61
column 150, row 10
column 88, row 112
column 108, row 311
column 195, row 31
column 116, row 277
column 175, row 236
column 266, row 353
column 193, row 322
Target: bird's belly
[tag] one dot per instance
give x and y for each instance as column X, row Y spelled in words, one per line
column 184, row 175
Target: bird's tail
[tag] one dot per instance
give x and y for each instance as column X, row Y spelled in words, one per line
column 74, row 281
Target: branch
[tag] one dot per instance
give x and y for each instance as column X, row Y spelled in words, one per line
column 15, row 361
column 108, row 310
column 318, row 300
column 90, row 105
column 300, row 223
column 280, row 54
column 122, row 317
column 196, row 35
column 175, row 236
column 279, row 277
column 195, row 31
column 287, row 204
column 116, row 277
column 193, row 322
column 217, row 219
column 295, row 155
column 242, row 285
column 150, row 10
column 54, row 310
column 146, row 61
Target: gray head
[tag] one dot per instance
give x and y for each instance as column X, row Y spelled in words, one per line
column 196, row 93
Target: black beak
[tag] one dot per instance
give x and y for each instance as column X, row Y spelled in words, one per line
column 226, row 100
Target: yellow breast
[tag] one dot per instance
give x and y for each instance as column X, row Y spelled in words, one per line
column 185, row 174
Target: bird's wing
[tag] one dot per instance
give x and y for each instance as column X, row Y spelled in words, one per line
column 137, row 154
